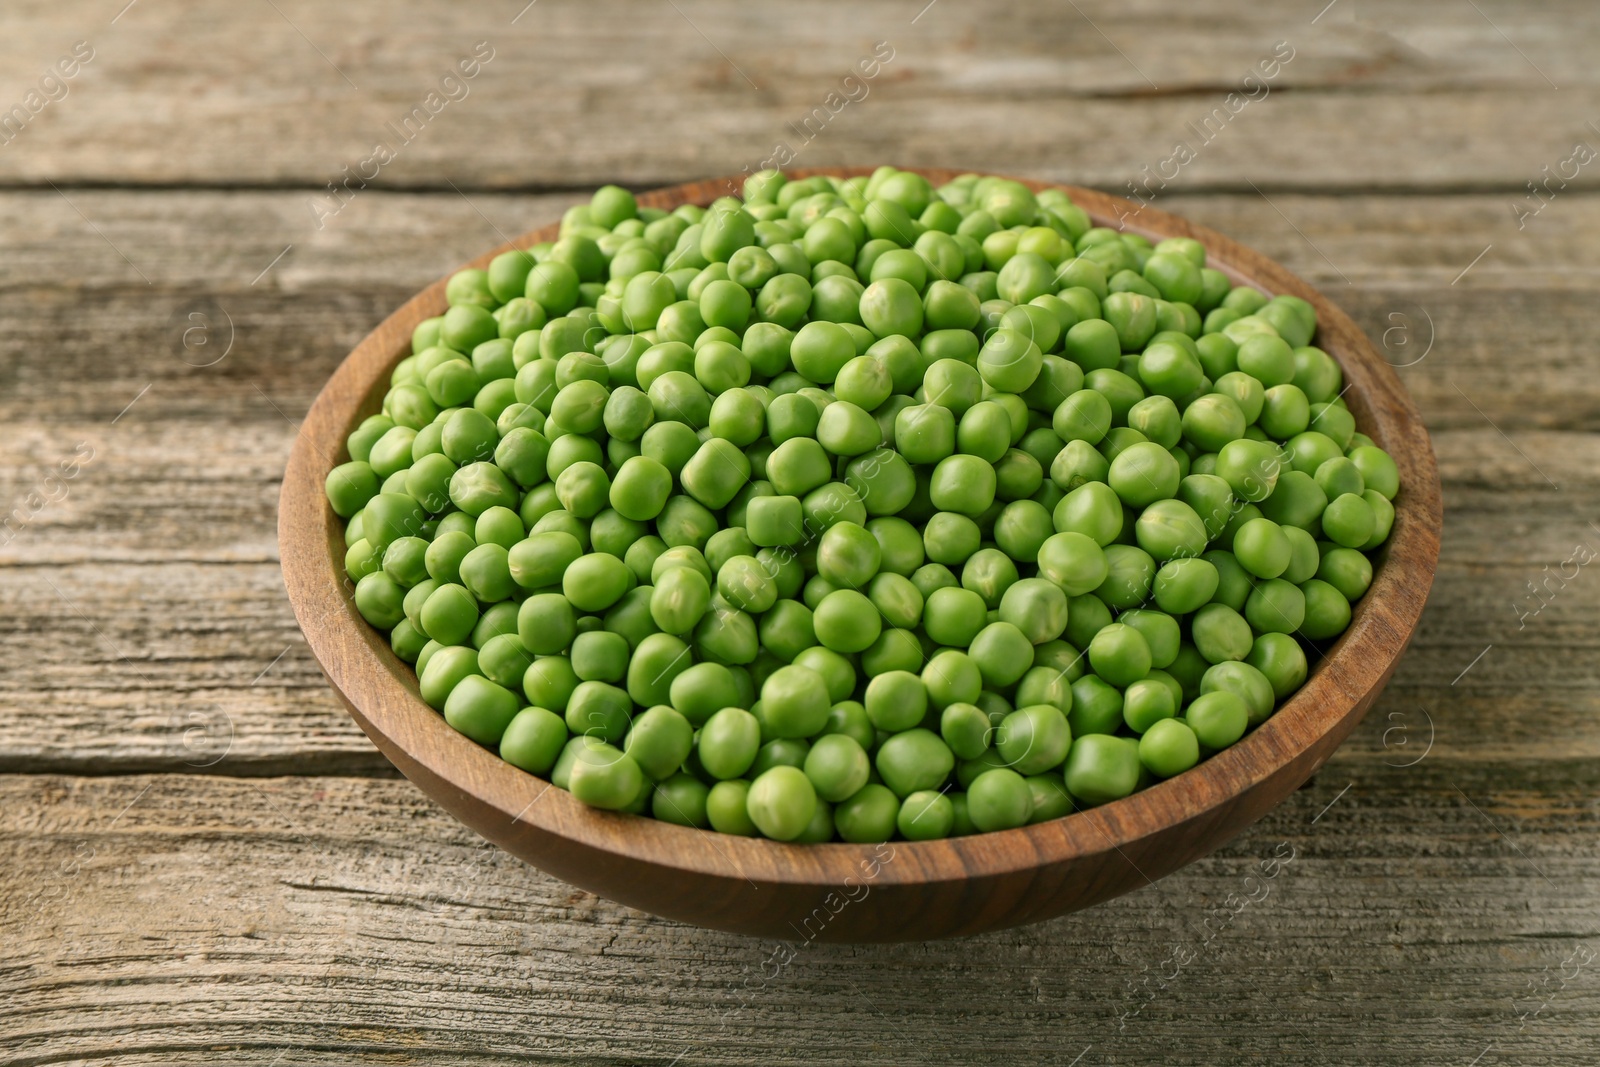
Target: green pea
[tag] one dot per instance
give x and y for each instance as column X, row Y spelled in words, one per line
column 926, row 815
column 600, row 710
column 659, row 741
column 953, row 616
column 1033, row 739
column 1261, row 548
column 726, row 808
column 1143, row 474
column 914, row 760
column 1037, row 607
column 1183, row 586
column 480, row 709
column 533, row 740
column 1218, row 718
column 1275, row 606
column 1245, row 682
column 868, row 816
column 896, row 701
column 845, row 621
column 999, row 799
column 1170, row 529
column 1120, row 654
column 1102, row 768
column 728, row 742
column 837, row 766
column 1169, row 747
column 925, row 433
column 1349, row 521
column 964, row 485
column 1347, row 570
column 1009, row 361
column 1130, row 572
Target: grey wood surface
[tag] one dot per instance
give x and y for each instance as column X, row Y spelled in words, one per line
column 203, row 860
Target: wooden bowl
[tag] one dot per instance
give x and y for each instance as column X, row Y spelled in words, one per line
column 900, row 890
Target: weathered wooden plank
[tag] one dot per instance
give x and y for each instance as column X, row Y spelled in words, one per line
column 357, row 922
column 577, row 94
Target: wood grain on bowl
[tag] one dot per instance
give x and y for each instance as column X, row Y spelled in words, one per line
column 900, row 890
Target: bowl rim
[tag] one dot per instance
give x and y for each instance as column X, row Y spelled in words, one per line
column 381, row 692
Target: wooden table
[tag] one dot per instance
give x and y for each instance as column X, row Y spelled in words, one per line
column 203, row 860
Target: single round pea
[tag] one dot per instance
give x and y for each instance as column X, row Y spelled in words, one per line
column 891, row 305
column 1085, row 415
column 1297, row 501
column 953, row 616
column 1130, row 572
column 1184, row 585
column 1218, row 718
column 1280, row 658
column 1377, row 469
column 1102, row 768
column 1347, row 570
column 1348, row 521
column 1250, row 468
column 1096, row 707
column 726, row 808
column 1120, row 654
column 1275, row 606
column 926, row 815
column 659, row 741
column 727, row 743
column 681, row 799
column 845, row 621
column 549, row 682
column 966, row 729
column 1143, row 474
column 1170, row 529
column 380, row 600
column 1244, row 682
column 1022, row 528
column 845, row 429
column 533, row 739
column 1220, row 633
column 1009, row 361
column 596, row 581
column 1037, row 607
column 504, row 659
column 914, row 760
column 1033, row 739
column 480, row 709
column 964, row 485
column 1327, row 612
column 1147, row 702
column 1262, row 549
column 597, row 709
column 999, row 799
column 1169, row 747
column 925, row 433
column 989, row 573
column 1002, row 653
column 795, row 702
column 837, row 766
column 952, row 384
column 605, row 777
column 449, row 614
column 837, row 672
column 868, row 816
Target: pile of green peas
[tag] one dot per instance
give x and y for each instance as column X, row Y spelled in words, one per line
column 859, row 508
